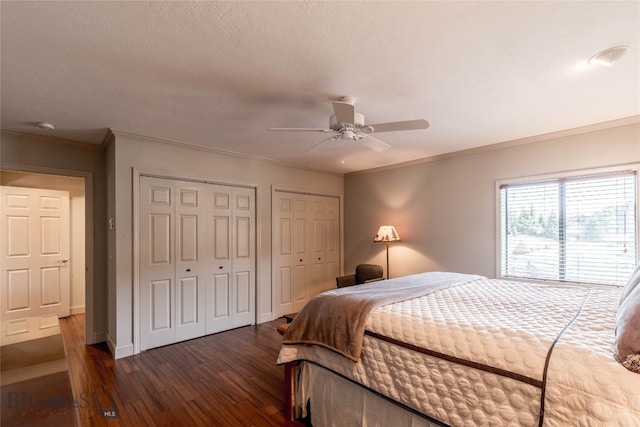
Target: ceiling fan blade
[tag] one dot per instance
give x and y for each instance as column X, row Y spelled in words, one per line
column 394, row 126
column 345, row 112
column 375, row 144
column 301, row 130
column 316, row 146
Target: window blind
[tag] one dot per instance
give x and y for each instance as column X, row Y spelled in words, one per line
column 576, row 229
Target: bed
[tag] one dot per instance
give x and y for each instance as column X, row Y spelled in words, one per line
column 452, row 349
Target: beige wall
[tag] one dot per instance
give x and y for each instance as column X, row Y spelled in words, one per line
column 37, row 154
column 127, row 152
column 444, row 210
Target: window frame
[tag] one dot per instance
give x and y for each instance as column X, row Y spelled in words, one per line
column 629, row 167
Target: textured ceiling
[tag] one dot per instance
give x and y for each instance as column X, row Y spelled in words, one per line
column 219, row 74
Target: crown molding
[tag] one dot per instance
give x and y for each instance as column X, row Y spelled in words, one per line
column 144, row 138
column 507, row 144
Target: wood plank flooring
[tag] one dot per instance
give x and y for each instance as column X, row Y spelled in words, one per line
column 225, row 379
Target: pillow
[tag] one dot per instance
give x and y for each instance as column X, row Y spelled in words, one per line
column 627, row 343
column 633, row 281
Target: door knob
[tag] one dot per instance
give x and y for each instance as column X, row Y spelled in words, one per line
column 63, row 260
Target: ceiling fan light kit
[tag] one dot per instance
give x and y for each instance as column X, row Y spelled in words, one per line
column 349, row 125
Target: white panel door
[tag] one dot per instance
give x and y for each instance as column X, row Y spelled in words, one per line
column 191, row 206
column 243, row 258
column 282, row 252
column 157, row 263
column 231, row 281
column 34, row 258
column 219, row 280
column 301, row 261
column 325, row 244
column 317, row 232
column 332, row 242
column 305, row 248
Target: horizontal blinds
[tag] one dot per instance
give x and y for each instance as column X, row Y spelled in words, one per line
column 580, row 229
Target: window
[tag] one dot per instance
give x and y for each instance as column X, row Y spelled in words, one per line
column 571, row 228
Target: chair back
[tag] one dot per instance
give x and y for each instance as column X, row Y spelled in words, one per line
column 368, row 272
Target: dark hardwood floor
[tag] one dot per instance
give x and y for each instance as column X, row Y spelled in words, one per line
column 225, row 379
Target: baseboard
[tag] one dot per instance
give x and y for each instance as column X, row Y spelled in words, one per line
column 119, row 352
column 79, row 309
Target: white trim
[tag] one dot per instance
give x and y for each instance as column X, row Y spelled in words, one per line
column 625, row 121
column 135, row 302
column 119, row 352
column 635, row 167
column 143, row 138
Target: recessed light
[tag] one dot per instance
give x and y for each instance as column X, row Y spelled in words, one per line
column 609, row 56
column 45, row 126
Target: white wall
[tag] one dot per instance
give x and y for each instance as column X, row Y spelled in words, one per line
column 127, row 152
column 444, row 210
column 75, row 187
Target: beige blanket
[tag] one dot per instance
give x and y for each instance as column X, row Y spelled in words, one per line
column 336, row 319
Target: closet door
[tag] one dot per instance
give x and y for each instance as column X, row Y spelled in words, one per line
column 301, row 251
column 231, row 281
column 324, row 235
column 157, row 264
column 243, row 257
column 305, row 250
column 290, row 249
column 190, row 266
column 282, row 252
column 172, row 274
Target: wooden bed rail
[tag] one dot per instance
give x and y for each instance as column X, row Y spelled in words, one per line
column 290, row 376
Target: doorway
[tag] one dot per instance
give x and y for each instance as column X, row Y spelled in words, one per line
column 77, row 260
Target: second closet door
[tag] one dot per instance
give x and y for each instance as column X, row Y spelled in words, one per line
column 172, row 219
column 230, row 283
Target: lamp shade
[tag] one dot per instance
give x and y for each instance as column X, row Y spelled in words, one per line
column 387, row 233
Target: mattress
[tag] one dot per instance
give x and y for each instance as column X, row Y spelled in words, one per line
column 495, row 352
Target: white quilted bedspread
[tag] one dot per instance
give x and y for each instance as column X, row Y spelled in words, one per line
column 496, row 335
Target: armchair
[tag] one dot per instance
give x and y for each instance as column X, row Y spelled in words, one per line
column 365, row 273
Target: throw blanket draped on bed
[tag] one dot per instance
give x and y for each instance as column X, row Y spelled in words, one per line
column 336, row 319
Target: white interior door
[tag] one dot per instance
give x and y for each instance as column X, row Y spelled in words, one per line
column 332, row 242
column 231, row 282
column 191, row 206
column 243, row 257
column 219, row 282
column 197, row 259
column 305, row 248
column 282, row 253
column 325, row 244
column 35, row 254
column 157, row 266
column 301, row 218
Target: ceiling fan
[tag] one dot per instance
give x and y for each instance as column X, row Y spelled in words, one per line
column 346, row 124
